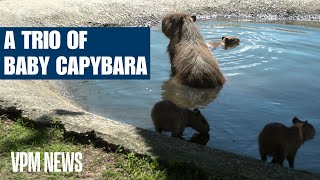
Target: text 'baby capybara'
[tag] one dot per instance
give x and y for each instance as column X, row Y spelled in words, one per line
column 283, row 142
column 167, row 116
column 192, row 63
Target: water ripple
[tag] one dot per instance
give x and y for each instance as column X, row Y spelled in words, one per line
column 240, row 67
column 260, row 47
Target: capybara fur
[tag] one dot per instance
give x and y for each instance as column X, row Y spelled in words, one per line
column 283, row 142
column 200, row 138
column 192, row 63
column 167, row 116
column 226, row 42
column 188, row 97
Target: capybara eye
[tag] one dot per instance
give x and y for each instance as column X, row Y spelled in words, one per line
column 194, row 18
column 197, row 111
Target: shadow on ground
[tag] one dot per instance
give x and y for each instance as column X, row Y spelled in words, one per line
column 46, row 124
column 180, row 158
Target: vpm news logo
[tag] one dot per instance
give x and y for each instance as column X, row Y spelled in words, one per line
column 75, row 53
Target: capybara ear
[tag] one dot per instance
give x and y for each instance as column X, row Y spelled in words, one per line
column 182, row 19
column 296, row 120
column 305, row 123
column 226, row 40
column 194, row 18
column 197, row 111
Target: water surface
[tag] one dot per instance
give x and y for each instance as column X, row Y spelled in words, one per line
column 272, row 76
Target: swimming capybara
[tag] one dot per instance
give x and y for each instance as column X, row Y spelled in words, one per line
column 283, row 142
column 167, row 116
column 226, row 42
column 192, row 63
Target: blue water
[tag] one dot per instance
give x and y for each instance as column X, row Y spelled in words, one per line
column 272, row 76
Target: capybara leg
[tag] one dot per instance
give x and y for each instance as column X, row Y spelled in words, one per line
column 180, row 133
column 278, row 159
column 177, row 134
column 159, row 130
column 281, row 159
column 263, row 155
column 291, row 160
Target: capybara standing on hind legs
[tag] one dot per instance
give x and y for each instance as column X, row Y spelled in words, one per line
column 282, row 143
column 167, row 116
column 192, row 63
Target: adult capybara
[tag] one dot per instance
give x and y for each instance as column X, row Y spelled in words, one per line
column 283, row 142
column 167, row 116
column 188, row 97
column 192, row 63
column 226, row 42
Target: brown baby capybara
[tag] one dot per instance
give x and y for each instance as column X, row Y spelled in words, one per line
column 226, row 42
column 167, row 116
column 192, row 63
column 283, row 142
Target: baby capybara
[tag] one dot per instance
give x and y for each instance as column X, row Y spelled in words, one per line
column 167, row 116
column 283, row 142
column 192, row 63
column 226, row 42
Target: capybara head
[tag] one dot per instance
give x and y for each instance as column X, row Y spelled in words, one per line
column 172, row 23
column 200, row 138
column 199, row 122
column 308, row 131
column 230, row 40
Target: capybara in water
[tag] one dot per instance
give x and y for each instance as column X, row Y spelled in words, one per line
column 188, row 97
column 226, row 42
column 283, row 142
column 167, row 116
column 192, row 63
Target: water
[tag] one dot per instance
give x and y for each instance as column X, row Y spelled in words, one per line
column 273, row 75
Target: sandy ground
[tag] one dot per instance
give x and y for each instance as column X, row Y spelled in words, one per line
column 139, row 12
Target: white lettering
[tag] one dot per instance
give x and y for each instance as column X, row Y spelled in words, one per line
column 9, row 40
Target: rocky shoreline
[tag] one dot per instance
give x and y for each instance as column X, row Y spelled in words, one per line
column 141, row 13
